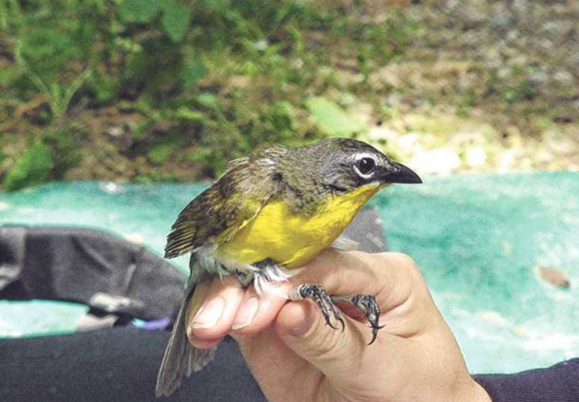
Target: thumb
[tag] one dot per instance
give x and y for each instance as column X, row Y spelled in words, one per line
column 302, row 327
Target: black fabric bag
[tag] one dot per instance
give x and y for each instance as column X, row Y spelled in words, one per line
column 107, row 273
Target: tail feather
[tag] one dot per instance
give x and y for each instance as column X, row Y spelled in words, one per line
column 181, row 358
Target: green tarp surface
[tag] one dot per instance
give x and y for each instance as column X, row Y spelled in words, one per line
column 478, row 240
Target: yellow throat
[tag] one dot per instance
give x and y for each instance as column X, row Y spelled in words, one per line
column 292, row 239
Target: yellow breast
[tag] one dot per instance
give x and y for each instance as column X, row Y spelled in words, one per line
column 290, row 238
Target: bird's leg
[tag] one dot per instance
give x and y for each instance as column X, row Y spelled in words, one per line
column 318, row 294
column 367, row 304
column 244, row 277
column 266, row 273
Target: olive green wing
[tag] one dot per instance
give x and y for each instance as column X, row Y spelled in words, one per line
column 229, row 204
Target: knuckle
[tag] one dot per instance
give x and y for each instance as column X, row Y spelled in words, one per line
column 408, row 264
column 404, row 267
column 401, row 260
column 404, row 260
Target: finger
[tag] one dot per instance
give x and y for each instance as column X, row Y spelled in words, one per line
column 204, row 343
column 257, row 312
column 392, row 277
column 335, row 353
column 214, row 318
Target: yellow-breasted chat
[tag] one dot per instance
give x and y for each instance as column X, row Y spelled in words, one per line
column 267, row 215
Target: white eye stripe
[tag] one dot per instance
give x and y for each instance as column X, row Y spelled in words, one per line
column 363, row 155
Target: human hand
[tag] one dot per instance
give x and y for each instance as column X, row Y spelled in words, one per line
column 300, row 358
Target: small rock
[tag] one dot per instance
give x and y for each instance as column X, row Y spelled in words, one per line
column 135, row 238
column 555, row 277
column 441, row 161
column 241, row 81
column 476, row 157
column 564, row 77
column 494, row 317
column 260, row 45
column 521, row 331
column 409, row 142
column 116, row 131
column 110, row 187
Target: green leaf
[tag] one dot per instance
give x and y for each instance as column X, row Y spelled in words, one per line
column 30, row 168
column 176, row 19
column 46, row 51
column 105, row 88
column 332, row 119
column 183, row 113
column 140, row 10
column 9, row 75
column 219, row 5
column 207, row 99
column 193, row 72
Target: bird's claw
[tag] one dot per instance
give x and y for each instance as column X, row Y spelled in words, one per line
column 318, row 294
column 367, row 304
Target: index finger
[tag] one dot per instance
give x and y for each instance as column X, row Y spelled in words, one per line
column 391, row 277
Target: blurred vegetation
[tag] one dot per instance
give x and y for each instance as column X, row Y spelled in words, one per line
column 170, row 90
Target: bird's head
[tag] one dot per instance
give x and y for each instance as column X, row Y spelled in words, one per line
column 344, row 165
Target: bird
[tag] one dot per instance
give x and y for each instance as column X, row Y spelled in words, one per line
column 269, row 214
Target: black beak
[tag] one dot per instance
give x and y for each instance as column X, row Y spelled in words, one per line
column 398, row 173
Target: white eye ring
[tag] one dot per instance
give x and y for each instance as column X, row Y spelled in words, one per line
column 364, row 165
column 367, row 163
column 362, row 175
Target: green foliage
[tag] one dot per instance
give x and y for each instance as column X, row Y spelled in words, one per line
column 30, row 168
column 332, row 119
column 224, row 140
column 139, row 10
column 48, row 157
column 193, row 72
column 165, row 147
column 58, row 97
column 9, row 14
column 64, row 148
column 203, row 81
column 175, row 20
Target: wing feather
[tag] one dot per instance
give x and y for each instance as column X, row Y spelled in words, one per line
column 228, row 205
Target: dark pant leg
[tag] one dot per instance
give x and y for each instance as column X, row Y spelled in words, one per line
column 114, row 364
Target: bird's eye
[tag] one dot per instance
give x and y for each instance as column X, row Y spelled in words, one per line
column 365, row 165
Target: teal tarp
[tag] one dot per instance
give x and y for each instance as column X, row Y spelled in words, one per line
column 478, row 240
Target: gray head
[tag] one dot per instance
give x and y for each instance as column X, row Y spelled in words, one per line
column 343, row 165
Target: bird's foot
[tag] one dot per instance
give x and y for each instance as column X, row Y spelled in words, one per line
column 244, row 277
column 318, row 294
column 367, row 304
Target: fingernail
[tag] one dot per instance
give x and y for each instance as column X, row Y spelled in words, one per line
column 246, row 313
column 209, row 314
